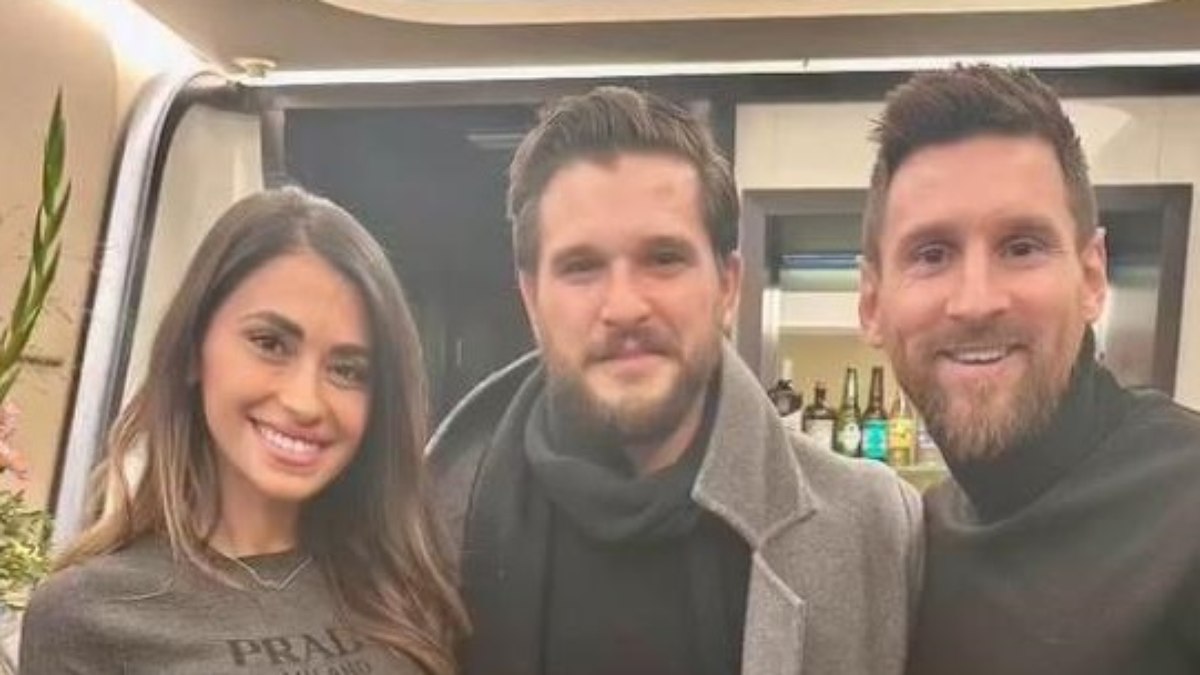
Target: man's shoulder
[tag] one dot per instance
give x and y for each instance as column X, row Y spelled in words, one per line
column 865, row 517
column 1154, row 411
column 461, row 440
column 863, row 485
column 1161, row 430
column 462, row 435
column 828, row 470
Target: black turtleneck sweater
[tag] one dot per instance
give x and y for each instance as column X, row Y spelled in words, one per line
column 1074, row 553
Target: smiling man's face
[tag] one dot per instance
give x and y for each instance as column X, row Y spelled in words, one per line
column 982, row 291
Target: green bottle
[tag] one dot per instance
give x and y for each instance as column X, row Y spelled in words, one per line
column 847, row 430
column 875, row 421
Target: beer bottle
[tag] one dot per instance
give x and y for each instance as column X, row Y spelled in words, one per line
column 818, row 419
column 847, row 432
column 902, row 432
column 874, row 420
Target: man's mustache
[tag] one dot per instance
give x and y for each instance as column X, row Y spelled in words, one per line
column 642, row 338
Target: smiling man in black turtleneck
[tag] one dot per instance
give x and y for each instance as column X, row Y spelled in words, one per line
column 1068, row 540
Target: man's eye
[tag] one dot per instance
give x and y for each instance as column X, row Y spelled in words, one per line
column 668, row 258
column 578, row 266
column 930, row 255
column 1023, row 247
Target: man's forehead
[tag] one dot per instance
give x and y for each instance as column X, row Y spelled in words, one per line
column 612, row 160
column 1004, row 176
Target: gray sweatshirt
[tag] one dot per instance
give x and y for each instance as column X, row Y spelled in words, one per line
column 136, row 611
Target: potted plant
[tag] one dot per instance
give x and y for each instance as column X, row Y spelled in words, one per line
column 25, row 531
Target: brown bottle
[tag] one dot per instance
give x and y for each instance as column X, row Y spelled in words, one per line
column 818, row 419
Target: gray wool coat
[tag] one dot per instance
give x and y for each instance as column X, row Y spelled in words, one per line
column 836, row 542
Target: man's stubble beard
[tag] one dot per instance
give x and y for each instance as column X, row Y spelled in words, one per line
column 631, row 420
column 977, row 429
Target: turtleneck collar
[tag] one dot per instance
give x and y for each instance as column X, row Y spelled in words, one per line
column 1092, row 404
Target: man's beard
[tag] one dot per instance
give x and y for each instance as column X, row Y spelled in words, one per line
column 994, row 416
column 631, row 420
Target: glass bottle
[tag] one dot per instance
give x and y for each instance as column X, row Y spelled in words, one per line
column 874, row 420
column 847, row 430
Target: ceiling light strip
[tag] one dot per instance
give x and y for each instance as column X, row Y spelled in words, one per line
column 618, row 70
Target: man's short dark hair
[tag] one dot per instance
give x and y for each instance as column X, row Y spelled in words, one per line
column 951, row 105
column 600, row 125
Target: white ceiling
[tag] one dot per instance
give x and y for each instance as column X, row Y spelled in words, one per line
column 314, row 34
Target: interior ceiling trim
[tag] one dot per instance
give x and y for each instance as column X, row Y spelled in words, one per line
column 885, row 64
column 526, row 12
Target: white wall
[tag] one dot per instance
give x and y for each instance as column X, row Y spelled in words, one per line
column 214, row 160
column 1129, row 141
column 44, row 48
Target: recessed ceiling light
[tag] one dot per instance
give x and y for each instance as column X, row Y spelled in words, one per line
column 510, row 12
column 884, row 64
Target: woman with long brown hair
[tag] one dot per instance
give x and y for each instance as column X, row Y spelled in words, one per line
column 280, row 523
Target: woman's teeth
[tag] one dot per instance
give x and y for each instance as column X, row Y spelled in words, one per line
column 287, row 443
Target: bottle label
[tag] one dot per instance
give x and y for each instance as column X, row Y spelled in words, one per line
column 848, row 439
column 875, row 440
column 822, row 430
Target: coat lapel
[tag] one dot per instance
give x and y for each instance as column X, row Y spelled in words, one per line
column 774, row 634
column 751, row 479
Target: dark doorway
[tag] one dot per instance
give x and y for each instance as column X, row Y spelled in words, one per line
column 429, row 183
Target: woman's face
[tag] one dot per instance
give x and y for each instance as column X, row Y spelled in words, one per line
column 284, row 375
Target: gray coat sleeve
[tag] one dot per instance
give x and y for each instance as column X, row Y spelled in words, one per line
column 914, row 513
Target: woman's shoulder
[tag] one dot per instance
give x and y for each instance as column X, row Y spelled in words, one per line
column 140, row 569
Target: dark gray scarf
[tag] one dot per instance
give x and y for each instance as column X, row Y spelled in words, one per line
column 532, row 470
column 594, row 485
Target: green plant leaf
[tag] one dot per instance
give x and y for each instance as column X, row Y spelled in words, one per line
column 20, row 307
column 56, row 217
column 44, row 256
column 53, row 154
column 24, row 547
column 30, row 321
column 25, row 532
column 7, row 379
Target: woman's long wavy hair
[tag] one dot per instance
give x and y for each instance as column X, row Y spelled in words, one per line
column 371, row 530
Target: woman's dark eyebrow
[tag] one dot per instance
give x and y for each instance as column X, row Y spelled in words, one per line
column 350, row 350
column 276, row 320
column 286, row 325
